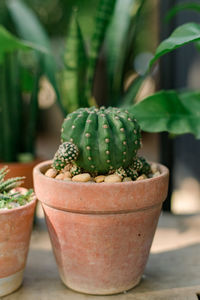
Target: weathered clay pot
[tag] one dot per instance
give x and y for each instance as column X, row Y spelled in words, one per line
column 21, row 169
column 15, row 232
column 101, row 233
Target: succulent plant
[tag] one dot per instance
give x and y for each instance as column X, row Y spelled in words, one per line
column 107, row 139
column 138, row 167
column 66, row 153
column 121, row 172
column 131, row 172
column 9, row 184
column 141, row 165
column 10, row 193
column 75, row 170
column 146, row 168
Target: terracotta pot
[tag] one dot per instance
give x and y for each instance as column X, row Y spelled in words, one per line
column 101, row 233
column 15, row 232
column 22, row 169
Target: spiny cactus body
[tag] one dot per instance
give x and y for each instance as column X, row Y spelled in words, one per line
column 131, row 172
column 138, row 167
column 75, row 170
column 121, row 172
column 146, row 168
column 107, row 139
column 66, row 153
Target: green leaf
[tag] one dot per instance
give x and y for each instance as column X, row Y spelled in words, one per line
column 9, row 43
column 72, row 79
column 27, row 24
column 177, row 113
column 29, row 28
column 119, row 39
column 103, row 17
column 184, row 34
column 132, row 91
column 180, row 7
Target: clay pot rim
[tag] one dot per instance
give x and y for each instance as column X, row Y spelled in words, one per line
column 24, row 164
column 37, row 170
column 19, row 208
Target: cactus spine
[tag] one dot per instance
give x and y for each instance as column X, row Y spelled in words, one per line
column 107, row 139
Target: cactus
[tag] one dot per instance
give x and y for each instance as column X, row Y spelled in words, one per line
column 121, row 172
column 107, row 139
column 146, row 168
column 66, row 153
column 75, row 170
column 138, row 167
column 131, row 172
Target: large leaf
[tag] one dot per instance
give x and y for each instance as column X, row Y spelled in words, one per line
column 170, row 111
column 180, row 7
column 184, row 34
column 72, row 79
column 29, row 28
column 103, row 17
column 121, row 33
column 9, row 43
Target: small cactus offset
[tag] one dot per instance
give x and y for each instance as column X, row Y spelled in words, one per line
column 146, row 168
column 121, row 172
column 75, row 170
column 107, row 139
column 138, row 167
column 131, row 172
column 66, row 153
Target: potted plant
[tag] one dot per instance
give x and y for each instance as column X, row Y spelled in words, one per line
column 17, row 207
column 19, row 85
column 101, row 201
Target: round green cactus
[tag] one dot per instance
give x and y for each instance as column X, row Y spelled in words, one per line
column 107, row 139
column 66, row 153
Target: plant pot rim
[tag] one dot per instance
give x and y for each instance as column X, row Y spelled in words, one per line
column 39, row 168
column 100, row 198
column 19, row 208
column 24, row 164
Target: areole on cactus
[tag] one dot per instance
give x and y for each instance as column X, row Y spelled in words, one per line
column 106, row 138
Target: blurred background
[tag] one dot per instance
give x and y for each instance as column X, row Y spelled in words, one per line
column 178, row 70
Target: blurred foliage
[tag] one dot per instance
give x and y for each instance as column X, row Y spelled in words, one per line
column 55, row 14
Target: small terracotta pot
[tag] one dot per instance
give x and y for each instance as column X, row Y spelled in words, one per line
column 101, row 233
column 15, row 232
column 21, row 169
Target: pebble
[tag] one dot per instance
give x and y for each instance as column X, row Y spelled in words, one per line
column 60, row 176
column 127, row 179
column 84, row 177
column 67, row 167
column 142, row 177
column 113, row 178
column 156, row 174
column 67, row 174
column 99, row 178
column 51, row 173
column 154, row 168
